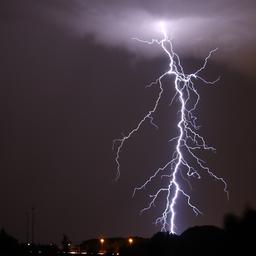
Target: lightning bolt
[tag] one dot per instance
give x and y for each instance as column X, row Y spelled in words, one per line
column 188, row 143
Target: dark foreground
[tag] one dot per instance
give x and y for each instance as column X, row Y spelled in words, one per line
column 237, row 237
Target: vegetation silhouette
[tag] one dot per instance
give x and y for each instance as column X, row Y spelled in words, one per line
column 238, row 235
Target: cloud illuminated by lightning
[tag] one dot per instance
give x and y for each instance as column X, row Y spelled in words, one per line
column 188, row 141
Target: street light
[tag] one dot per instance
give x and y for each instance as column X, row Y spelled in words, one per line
column 102, row 247
column 130, row 240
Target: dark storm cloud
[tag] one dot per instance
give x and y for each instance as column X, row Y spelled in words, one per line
column 195, row 26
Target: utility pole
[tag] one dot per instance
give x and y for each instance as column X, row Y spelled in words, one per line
column 27, row 228
column 33, row 225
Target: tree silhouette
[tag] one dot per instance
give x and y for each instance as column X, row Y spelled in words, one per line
column 66, row 243
column 8, row 244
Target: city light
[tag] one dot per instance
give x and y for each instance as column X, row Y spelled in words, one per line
column 130, row 240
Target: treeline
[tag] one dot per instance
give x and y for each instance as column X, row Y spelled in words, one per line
column 9, row 246
column 238, row 236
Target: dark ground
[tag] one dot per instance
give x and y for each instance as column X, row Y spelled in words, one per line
column 238, row 234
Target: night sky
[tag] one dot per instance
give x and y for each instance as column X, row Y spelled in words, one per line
column 72, row 80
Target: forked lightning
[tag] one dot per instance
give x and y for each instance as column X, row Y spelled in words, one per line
column 185, row 162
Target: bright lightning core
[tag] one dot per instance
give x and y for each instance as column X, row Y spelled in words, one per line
column 188, row 142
